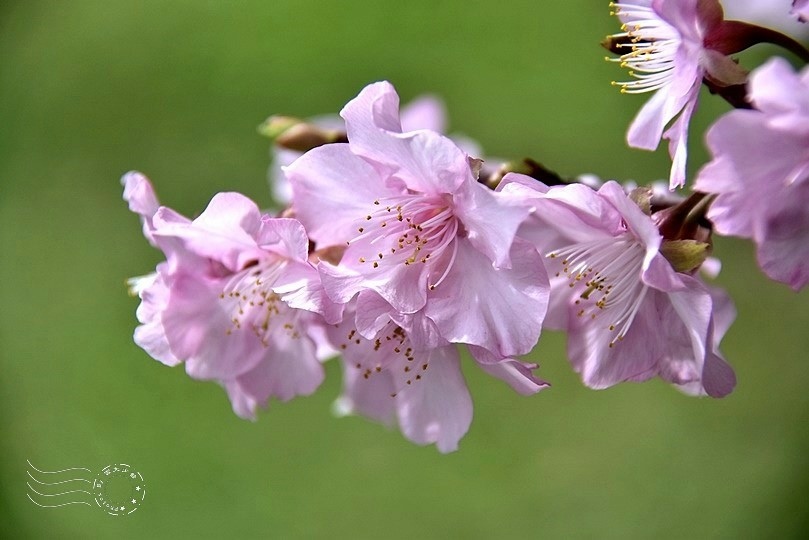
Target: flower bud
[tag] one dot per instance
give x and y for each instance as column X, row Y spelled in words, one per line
column 528, row 167
column 295, row 134
column 685, row 255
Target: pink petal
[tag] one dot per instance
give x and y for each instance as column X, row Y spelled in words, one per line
column 668, row 337
column 279, row 185
column 584, row 211
column 776, row 89
column 502, row 309
column 368, row 397
column 734, row 141
column 140, row 195
column 231, row 212
column 517, row 374
column 682, row 15
column 677, row 135
column 558, row 304
column 333, row 190
column 375, row 108
column 783, row 243
column 438, row 408
column 633, row 358
column 150, row 335
column 224, row 232
column 403, row 287
column 372, row 314
column 289, row 368
column 636, row 220
column 300, row 287
column 694, row 307
column 722, row 69
column 647, row 127
column 657, row 272
column 243, row 404
column 660, row 275
column 491, row 220
column 760, row 172
column 718, row 377
column 166, row 217
column 196, row 328
column 520, row 186
column 422, row 330
column 286, row 237
column 424, row 112
column 426, row 161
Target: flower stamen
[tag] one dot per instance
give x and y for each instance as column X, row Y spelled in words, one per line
column 417, row 229
column 652, row 45
column 391, row 352
column 607, row 272
column 249, row 298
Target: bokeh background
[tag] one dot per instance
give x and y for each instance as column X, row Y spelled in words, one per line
column 91, row 89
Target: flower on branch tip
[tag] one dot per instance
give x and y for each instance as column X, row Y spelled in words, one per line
column 420, row 232
column 669, row 46
column 629, row 314
column 236, row 299
column 760, row 172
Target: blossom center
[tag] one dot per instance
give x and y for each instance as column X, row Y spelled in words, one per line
column 254, row 307
column 408, row 230
column 605, row 274
column 651, row 44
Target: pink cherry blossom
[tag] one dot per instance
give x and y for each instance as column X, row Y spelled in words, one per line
column 629, row 315
column 673, row 45
column 760, row 172
column 234, row 300
column 420, row 233
column 423, row 391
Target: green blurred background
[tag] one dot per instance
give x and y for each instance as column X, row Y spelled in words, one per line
column 89, row 90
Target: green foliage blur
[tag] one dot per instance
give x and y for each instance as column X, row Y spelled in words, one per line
column 91, row 89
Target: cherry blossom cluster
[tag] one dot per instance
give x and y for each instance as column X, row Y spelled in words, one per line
column 399, row 244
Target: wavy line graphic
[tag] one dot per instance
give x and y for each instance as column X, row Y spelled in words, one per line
column 57, row 505
column 57, row 494
column 54, row 472
column 56, row 491
column 57, row 483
